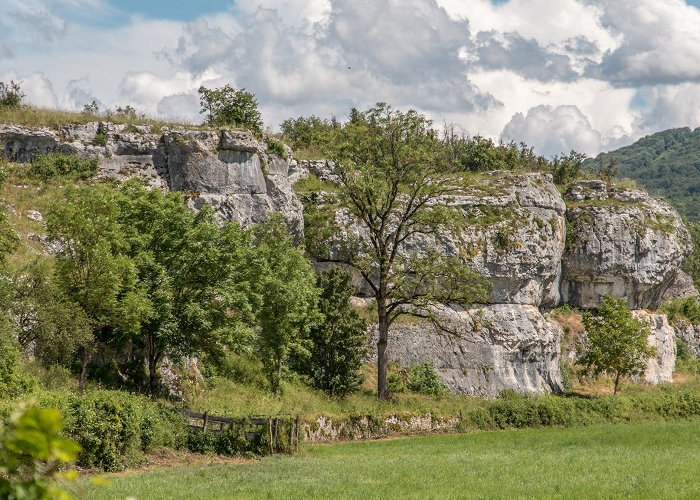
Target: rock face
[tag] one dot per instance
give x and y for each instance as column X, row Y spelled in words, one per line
column 620, row 242
column 231, row 172
column 690, row 335
column 539, row 249
column 228, row 169
column 487, row 350
column 662, row 336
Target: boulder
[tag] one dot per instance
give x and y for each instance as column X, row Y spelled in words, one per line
column 620, row 242
column 485, row 350
column 662, row 336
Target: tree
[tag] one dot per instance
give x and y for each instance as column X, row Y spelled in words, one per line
column 285, row 286
column 11, row 95
column 230, row 106
column 92, row 268
column 391, row 171
column 567, row 168
column 189, row 269
column 617, row 342
column 337, row 343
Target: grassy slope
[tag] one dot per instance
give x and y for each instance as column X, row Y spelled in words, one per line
column 649, row 460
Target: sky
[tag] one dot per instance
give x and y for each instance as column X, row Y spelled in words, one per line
column 590, row 75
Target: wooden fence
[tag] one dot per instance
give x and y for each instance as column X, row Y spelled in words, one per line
column 254, row 427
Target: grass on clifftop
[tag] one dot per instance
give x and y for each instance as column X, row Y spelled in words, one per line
column 55, row 118
column 643, row 460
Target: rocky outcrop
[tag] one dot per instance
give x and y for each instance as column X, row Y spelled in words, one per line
column 231, row 171
column 485, row 350
column 688, row 334
column 228, row 169
column 662, row 337
column 620, row 242
column 682, row 287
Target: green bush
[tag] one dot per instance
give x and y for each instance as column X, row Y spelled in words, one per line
column 13, row 380
column 423, row 378
column 116, row 428
column 51, row 165
column 276, row 147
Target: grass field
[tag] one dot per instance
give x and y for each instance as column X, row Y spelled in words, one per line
column 643, row 460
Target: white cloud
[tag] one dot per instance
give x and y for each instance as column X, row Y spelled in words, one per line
column 661, row 42
column 554, row 130
column 670, row 106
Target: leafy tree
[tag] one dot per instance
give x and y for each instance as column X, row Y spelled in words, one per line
column 285, row 286
column 48, row 322
column 338, row 341
column 13, row 381
column 567, row 168
column 92, row 268
column 308, row 132
column 188, row 269
column 230, row 106
column 11, row 95
column 33, row 454
column 391, row 175
column 617, row 342
column 691, row 265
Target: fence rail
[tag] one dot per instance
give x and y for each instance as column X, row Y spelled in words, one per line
column 268, row 426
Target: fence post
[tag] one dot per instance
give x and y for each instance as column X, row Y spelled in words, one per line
column 206, row 421
column 298, row 424
column 269, row 433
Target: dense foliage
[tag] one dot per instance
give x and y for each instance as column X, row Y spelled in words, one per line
column 51, row 165
column 11, row 94
column 337, row 341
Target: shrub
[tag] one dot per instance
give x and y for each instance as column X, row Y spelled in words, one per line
column 423, row 378
column 51, row 165
column 115, row 428
column 276, row 147
column 13, row 381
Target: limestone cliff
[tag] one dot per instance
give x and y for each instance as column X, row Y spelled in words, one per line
column 540, row 249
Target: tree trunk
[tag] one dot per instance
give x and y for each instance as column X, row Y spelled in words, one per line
column 382, row 342
column 617, row 383
column 83, row 369
column 152, row 365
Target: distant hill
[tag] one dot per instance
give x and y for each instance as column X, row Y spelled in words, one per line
column 667, row 164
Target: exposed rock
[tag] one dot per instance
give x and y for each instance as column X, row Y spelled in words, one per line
column 690, row 335
column 681, row 287
column 659, row 368
column 620, row 242
column 515, row 236
column 228, row 169
column 225, row 171
column 488, row 349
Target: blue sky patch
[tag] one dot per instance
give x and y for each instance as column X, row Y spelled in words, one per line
column 180, row 10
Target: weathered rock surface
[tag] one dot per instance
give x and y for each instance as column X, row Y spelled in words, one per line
column 620, row 242
column 662, row 336
column 488, row 349
column 681, row 287
column 228, row 169
column 690, row 335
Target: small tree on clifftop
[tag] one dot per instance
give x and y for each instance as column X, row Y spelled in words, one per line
column 391, row 178
column 230, row 106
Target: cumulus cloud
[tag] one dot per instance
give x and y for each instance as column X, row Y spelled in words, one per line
column 527, row 57
column 553, row 130
column 669, row 106
column 660, row 42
